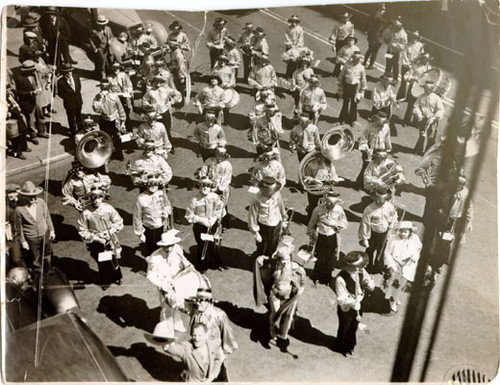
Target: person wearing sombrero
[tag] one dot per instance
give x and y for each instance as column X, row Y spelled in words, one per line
column 383, row 96
column 268, row 164
column 262, row 75
column 267, row 216
column 121, row 84
column 350, row 287
column 179, row 47
column 378, row 219
column 100, row 38
column 204, row 212
column 219, row 327
column 151, row 163
column 88, row 124
column 417, row 69
column 216, row 39
column 267, row 128
column 327, row 221
column 396, row 39
column 428, row 110
column 410, row 53
column 33, row 225
column 245, row 43
column 212, row 97
column 164, row 72
column 225, row 71
column 351, row 88
column 312, row 99
column 345, row 53
column 304, row 137
column 259, row 46
column 69, row 89
column 98, row 226
column 165, row 265
column 209, row 135
column 233, row 55
column 341, row 31
column 400, row 260
column 57, row 32
column 374, row 29
column 294, row 39
column 300, row 77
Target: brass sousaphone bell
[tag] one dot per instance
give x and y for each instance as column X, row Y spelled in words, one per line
column 94, row 149
column 335, row 145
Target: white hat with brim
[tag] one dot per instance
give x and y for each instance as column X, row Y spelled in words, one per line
column 169, row 238
column 162, row 335
column 102, row 20
column 405, row 225
column 29, row 189
column 28, row 65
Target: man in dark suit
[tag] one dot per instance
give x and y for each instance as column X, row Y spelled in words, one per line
column 56, row 30
column 69, row 90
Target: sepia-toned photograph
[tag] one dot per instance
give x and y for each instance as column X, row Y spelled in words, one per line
column 295, row 194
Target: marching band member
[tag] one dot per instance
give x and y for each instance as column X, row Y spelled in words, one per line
column 374, row 31
column 383, row 96
column 226, row 73
column 259, row 43
column 212, row 96
column 112, row 115
column 204, row 211
column 216, row 39
column 233, row 55
column 327, row 221
column 312, row 99
column 176, row 35
column 396, row 39
column 245, row 43
column 379, row 217
column 151, row 214
column 152, row 163
column 100, row 37
column 382, row 173
column 148, row 36
column 294, row 38
column 351, row 87
column 163, row 72
column 267, row 128
column 80, row 183
column 155, row 131
column 209, row 135
column 165, row 265
column 267, row 216
column 428, row 110
column 401, row 258
column 287, row 287
column 219, row 327
column 148, row 64
column 340, row 32
column 97, row 226
column 179, row 46
column 304, row 137
column 88, row 125
column 410, row 53
column 262, row 97
column 350, row 287
column 122, row 85
column 142, row 37
column 417, row 69
column 262, row 74
column 319, row 171
column 345, row 53
column 300, row 78
column 125, row 49
column 220, row 171
column 268, row 165
column 162, row 97
column 376, row 134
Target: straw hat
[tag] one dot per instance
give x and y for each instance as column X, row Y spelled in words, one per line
column 29, row 189
column 169, row 238
column 355, row 259
column 12, row 187
column 405, row 225
column 102, row 20
column 28, row 65
column 270, row 184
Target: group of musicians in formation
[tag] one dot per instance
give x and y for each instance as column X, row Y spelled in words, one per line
column 138, row 73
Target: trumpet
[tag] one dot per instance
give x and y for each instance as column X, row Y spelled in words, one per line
column 112, row 240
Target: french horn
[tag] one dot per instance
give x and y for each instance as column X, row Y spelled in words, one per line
column 94, row 149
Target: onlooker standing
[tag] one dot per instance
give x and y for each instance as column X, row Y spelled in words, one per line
column 56, row 30
column 100, row 38
column 397, row 39
column 373, row 35
column 352, row 86
column 69, row 89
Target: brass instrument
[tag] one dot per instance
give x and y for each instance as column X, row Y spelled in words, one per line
column 112, row 241
column 94, row 149
column 337, row 143
column 392, row 177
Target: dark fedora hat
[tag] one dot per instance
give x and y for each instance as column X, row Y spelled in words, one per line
column 66, row 67
column 357, row 259
column 269, row 183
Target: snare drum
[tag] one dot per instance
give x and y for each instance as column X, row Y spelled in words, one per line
column 231, row 98
column 441, row 80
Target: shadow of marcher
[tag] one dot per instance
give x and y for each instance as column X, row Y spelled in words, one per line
column 126, row 216
column 129, row 258
column 187, row 144
column 54, row 187
column 410, row 188
column 241, row 180
column 159, row 365
column 127, row 310
column 76, row 270
column 305, row 332
column 64, row 231
column 360, row 206
column 238, row 152
column 121, row 180
column 236, row 258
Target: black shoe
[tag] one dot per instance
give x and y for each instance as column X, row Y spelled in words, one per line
column 43, row 135
column 119, row 282
column 20, row 156
column 73, row 61
column 33, row 140
column 172, row 151
column 27, row 150
column 104, row 287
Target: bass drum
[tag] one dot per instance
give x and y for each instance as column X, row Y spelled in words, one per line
column 117, row 50
column 159, row 32
column 441, row 80
column 231, row 98
column 187, row 284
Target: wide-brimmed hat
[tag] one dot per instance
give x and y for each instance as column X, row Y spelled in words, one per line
column 50, row 10
column 269, row 153
column 355, row 259
column 380, row 152
column 357, row 54
column 12, row 187
column 162, row 334
column 314, row 80
column 259, row 30
column 405, row 225
column 416, row 35
column 88, row 121
column 148, row 145
column 220, row 21
column 28, row 65
column 203, row 294
column 387, row 77
column 169, row 238
column 29, row 189
column 103, row 83
column 332, row 196
column 31, row 21
column 352, row 36
column 205, row 181
column 271, row 107
column 222, row 151
column 175, row 26
column 66, row 67
column 381, row 193
column 30, row 35
column 269, row 183
column 97, row 192
column 294, row 18
column 213, row 76
column 248, row 25
column 381, row 114
column 346, row 15
column 148, row 109
column 149, row 27
column 397, row 22
column 102, row 20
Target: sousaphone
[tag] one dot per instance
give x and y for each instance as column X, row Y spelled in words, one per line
column 94, row 149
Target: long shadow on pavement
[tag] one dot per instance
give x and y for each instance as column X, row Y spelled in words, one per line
column 130, row 259
column 76, row 270
column 64, row 232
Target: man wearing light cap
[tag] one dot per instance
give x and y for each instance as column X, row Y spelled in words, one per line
column 209, row 135
column 216, row 39
column 27, row 50
column 245, row 43
column 121, row 84
column 154, row 131
column 100, row 38
column 312, row 99
column 327, row 221
column 262, row 74
column 396, row 39
column 268, row 165
column 351, row 87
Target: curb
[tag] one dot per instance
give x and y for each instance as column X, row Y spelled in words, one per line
column 39, row 164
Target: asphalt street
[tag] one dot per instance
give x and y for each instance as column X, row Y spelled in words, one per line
column 469, row 332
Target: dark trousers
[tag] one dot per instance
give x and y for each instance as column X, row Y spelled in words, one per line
column 223, row 376
column 62, row 53
column 270, row 237
column 326, row 253
column 74, row 118
column 247, row 66
column 109, row 271
column 346, row 333
column 214, row 55
column 166, row 119
column 360, row 180
column 375, row 252
column 30, row 117
column 392, row 65
column 403, row 88
column 349, row 112
column 410, row 99
column 312, row 203
column 207, row 256
column 153, row 236
column 426, row 138
column 339, row 43
column 100, row 59
column 371, row 53
column 111, row 129
column 206, row 153
column 38, row 247
column 18, row 144
column 291, row 66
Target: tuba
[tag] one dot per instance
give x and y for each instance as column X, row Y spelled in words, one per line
column 94, row 149
column 336, row 144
